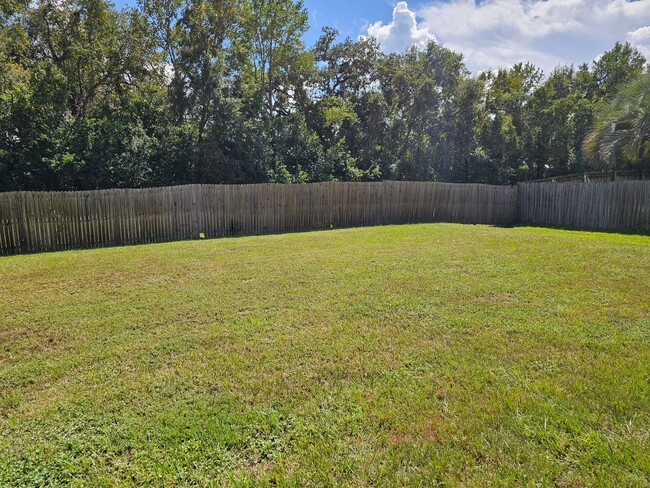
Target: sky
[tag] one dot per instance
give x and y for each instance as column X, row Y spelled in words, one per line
column 490, row 33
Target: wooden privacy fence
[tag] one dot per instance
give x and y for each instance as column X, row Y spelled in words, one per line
column 610, row 205
column 49, row 221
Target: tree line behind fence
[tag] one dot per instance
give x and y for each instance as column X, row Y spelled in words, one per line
column 48, row 221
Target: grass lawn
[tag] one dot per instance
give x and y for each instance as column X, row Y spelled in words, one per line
column 405, row 355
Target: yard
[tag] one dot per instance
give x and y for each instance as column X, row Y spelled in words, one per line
column 404, row 355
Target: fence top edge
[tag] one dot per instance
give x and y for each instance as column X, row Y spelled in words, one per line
column 321, row 183
column 584, row 183
column 595, row 174
column 200, row 186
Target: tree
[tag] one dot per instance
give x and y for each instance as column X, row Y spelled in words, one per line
column 462, row 119
column 224, row 91
column 506, row 130
column 272, row 31
column 346, row 111
column 559, row 113
column 348, row 68
column 621, row 131
column 617, row 66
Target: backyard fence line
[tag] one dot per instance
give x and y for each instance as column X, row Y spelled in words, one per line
column 599, row 176
column 621, row 205
column 51, row 221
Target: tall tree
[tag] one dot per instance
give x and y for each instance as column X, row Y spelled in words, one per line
column 506, row 131
column 622, row 126
column 617, row 66
column 273, row 31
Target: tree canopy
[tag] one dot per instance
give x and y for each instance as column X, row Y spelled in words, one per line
column 621, row 132
column 173, row 92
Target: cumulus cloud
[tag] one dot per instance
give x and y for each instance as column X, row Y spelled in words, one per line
column 640, row 39
column 402, row 32
column 495, row 33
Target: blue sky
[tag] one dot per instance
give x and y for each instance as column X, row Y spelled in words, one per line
column 491, row 33
column 350, row 17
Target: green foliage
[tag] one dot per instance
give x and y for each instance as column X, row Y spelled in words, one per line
column 173, row 92
column 272, row 31
column 616, row 67
column 621, row 129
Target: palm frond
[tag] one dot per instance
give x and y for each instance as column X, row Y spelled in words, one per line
column 622, row 126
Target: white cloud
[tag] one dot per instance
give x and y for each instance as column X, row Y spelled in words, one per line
column 640, row 39
column 494, row 33
column 402, row 32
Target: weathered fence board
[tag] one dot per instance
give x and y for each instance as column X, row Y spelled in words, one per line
column 608, row 205
column 49, row 221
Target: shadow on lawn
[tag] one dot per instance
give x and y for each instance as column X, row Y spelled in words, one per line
column 633, row 232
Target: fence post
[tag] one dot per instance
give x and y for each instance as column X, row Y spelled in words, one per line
column 517, row 206
column 21, row 213
column 195, row 211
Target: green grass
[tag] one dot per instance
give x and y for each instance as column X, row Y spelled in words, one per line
column 406, row 355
